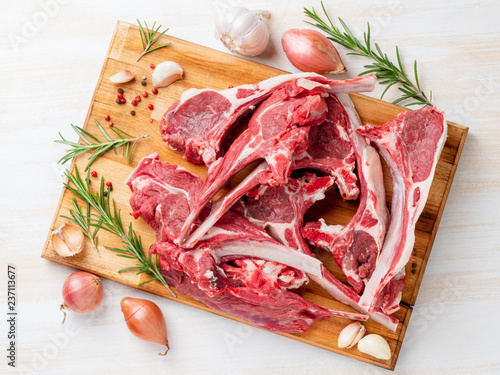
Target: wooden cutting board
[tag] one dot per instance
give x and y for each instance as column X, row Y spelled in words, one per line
column 204, row 67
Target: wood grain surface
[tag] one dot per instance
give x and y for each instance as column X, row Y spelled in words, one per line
column 205, row 67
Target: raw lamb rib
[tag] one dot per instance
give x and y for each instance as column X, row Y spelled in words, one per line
column 260, row 175
column 280, row 211
column 220, row 270
column 162, row 194
column 356, row 246
column 330, row 151
column 277, row 132
column 196, row 124
column 411, row 145
column 255, row 290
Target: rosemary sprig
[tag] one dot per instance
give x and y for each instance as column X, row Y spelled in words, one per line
column 108, row 218
column 389, row 73
column 149, row 37
column 98, row 147
column 84, row 221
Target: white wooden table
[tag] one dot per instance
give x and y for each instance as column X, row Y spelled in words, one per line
column 51, row 55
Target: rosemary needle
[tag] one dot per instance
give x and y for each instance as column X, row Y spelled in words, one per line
column 150, row 37
column 82, row 220
column 108, row 218
column 388, row 72
column 98, row 147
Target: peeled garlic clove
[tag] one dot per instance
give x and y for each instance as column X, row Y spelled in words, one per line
column 122, row 77
column 166, row 73
column 242, row 30
column 351, row 334
column 311, row 51
column 68, row 240
column 376, row 346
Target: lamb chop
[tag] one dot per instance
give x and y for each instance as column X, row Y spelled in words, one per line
column 277, row 132
column 197, row 123
column 280, row 211
column 356, row 246
column 162, row 194
column 411, row 145
column 236, row 268
column 330, row 151
column 257, row 291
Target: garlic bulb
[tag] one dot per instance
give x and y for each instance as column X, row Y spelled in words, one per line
column 351, row 334
column 376, row 346
column 68, row 240
column 166, row 73
column 242, row 30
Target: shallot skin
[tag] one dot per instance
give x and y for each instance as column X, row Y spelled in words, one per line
column 82, row 292
column 311, row 51
column 145, row 320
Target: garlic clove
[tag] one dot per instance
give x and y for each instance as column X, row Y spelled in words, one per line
column 255, row 41
column 122, row 77
column 351, row 334
column 166, row 73
column 376, row 346
column 68, row 240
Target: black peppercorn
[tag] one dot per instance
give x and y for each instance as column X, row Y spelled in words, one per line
column 143, row 83
column 414, row 271
column 120, row 90
column 132, row 113
column 414, row 265
column 117, row 100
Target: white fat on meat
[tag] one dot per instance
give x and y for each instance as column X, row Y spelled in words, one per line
column 411, row 145
column 272, row 252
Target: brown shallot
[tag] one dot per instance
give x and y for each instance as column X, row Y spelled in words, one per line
column 311, row 51
column 145, row 320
